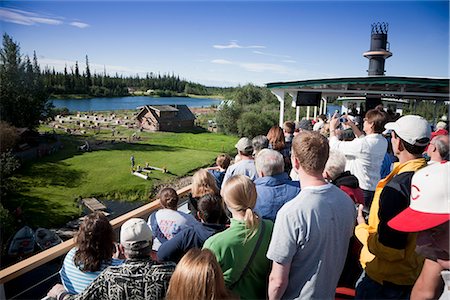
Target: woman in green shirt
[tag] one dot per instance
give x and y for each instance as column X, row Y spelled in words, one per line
column 241, row 249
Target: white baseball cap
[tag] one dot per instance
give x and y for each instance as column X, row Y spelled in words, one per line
column 412, row 129
column 430, row 201
column 135, row 234
column 244, row 145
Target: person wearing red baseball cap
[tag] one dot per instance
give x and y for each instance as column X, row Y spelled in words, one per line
column 429, row 214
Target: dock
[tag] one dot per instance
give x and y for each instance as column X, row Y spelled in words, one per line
column 94, row 205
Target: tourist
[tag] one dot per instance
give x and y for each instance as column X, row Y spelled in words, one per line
column 335, row 173
column 429, row 214
column 93, row 252
column 441, row 129
column 437, row 150
column 222, row 164
column 364, row 154
column 137, row 278
column 198, row 276
column 305, row 125
column 390, row 264
column 321, row 120
column 277, row 142
column 259, row 142
column 240, row 250
column 168, row 221
column 273, row 186
column 209, row 213
column 288, row 130
column 203, row 183
column 246, row 164
column 312, row 231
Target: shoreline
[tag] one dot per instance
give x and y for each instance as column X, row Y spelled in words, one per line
column 86, row 96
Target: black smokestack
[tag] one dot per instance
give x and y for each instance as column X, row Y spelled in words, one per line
column 379, row 49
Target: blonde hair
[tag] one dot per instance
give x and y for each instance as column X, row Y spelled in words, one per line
column 239, row 194
column 197, row 276
column 204, row 183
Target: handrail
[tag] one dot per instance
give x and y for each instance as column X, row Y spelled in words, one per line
column 45, row 256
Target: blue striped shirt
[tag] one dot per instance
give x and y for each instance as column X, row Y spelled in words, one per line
column 76, row 281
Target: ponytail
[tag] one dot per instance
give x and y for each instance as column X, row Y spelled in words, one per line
column 251, row 223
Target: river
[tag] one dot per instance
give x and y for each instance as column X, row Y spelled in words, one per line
column 117, row 103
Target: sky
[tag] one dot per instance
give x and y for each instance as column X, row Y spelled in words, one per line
column 230, row 43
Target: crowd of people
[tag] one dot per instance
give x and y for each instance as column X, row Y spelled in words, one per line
column 358, row 203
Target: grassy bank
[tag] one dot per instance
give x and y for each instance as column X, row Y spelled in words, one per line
column 49, row 189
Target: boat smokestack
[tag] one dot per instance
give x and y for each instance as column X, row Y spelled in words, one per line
column 379, row 49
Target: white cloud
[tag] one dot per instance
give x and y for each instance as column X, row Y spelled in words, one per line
column 221, row 61
column 79, row 24
column 255, row 67
column 26, row 18
column 235, row 45
column 271, row 54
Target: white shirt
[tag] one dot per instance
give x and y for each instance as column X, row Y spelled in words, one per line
column 364, row 157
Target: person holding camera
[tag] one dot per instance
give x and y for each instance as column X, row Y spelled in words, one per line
column 365, row 153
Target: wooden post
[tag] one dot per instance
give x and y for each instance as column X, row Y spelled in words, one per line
column 308, row 112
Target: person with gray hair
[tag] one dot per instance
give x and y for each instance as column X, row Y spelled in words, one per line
column 139, row 277
column 438, row 149
column 335, row 173
column 273, row 186
column 259, row 142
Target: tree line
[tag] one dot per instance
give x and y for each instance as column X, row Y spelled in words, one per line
column 74, row 81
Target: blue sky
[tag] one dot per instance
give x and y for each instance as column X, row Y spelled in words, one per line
column 223, row 43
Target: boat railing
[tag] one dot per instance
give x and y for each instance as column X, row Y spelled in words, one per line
column 54, row 252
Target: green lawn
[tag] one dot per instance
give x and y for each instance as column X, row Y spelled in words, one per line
column 49, row 188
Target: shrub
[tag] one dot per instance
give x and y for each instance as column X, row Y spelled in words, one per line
column 8, row 137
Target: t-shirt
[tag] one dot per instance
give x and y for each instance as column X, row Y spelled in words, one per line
column 312, row 232
column 244, row 167
column 165, row 223
column 233, row 254
column 76, row 281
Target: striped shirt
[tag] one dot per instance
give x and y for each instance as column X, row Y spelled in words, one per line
column 74, row 280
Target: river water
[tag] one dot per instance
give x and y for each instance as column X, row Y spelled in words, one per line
column 117, row 103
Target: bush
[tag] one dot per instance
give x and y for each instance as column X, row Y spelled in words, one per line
column 227, row 119
column 251, row 124
column 8, row 136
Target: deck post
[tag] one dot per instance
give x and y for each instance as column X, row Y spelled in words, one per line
column 280, row 96
column 294, row 104
column 324, row 106
column 308, row 112
column 321, row 107
column 315, row 112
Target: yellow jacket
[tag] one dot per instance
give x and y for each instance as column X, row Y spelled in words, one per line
column 399, row 265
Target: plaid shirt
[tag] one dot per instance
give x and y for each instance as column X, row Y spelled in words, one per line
column 136, row 279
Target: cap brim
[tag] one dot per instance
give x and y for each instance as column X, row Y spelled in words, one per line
column 411, row 220
column 391, row 126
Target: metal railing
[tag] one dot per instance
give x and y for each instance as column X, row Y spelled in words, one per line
column 50, row 254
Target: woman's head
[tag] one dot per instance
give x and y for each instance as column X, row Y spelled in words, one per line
column 169, row 198
column 203, row 183
column 374, row 121
column 239, row 194
column 197, row 276
column 276, row 138
column 94, row 242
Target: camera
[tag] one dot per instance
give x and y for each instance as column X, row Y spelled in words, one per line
column 342, row 120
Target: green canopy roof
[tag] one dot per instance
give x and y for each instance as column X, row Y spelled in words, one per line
column 393, row 86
